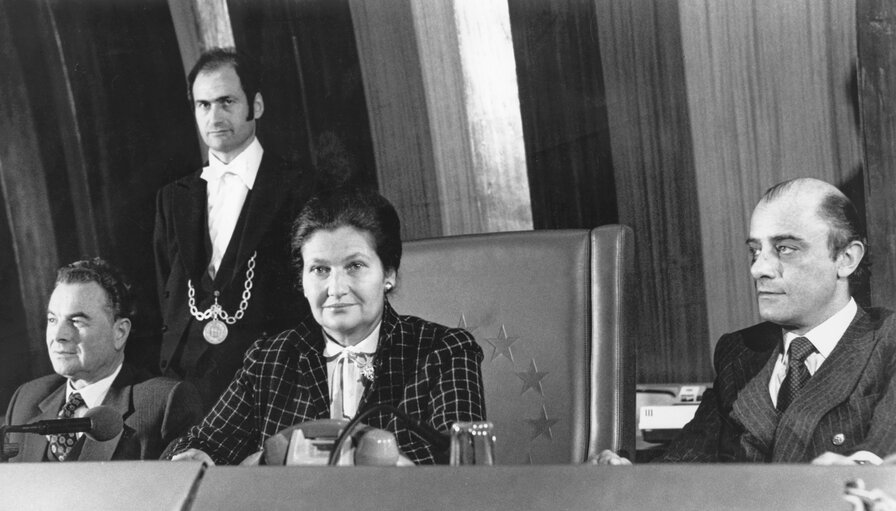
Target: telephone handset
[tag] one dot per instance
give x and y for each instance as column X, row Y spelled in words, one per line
column 308, row 443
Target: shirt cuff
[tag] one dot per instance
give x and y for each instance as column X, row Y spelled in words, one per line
column 865, row 458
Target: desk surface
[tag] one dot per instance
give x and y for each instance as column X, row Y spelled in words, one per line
column 92, row 486
column 665, row 487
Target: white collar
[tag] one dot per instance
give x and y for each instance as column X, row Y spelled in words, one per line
column 368, row 345
column 95, row 393
column 245, row 165
column 826, row 335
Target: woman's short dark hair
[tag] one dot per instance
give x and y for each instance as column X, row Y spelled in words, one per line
column 361, row 208
column 119, row 291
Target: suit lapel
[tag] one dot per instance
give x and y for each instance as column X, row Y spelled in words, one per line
column 93, row 450
column 119, row 399
column 831, row 385
column 313, row 377
column 262, row 205
column 753, row 407
column 389, row 364
column 191, row 226
column 35, row 446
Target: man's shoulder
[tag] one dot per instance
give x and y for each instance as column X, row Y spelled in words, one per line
column 155, row 393
column 179, row 185
column 881, row 321
column 188, row 178
column 144, row 381
column 273, row 162
column 880, row 317
column 41, row 386
column 158, row 383
column 760, row 337
column 288, row 174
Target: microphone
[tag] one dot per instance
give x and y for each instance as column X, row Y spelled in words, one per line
column 100, row 423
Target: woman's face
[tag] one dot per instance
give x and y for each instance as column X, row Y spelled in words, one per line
column 344, row 282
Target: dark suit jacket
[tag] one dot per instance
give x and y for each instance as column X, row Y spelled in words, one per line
column 182, row 253
column 430, row 372
column 155, row 411
column 848, row 405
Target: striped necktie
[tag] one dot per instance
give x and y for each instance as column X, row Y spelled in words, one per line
column 797, row 372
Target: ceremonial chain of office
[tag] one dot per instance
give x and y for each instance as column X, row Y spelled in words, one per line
column 215, row 331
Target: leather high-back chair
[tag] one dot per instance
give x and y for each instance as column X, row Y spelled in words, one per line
column 551, row 311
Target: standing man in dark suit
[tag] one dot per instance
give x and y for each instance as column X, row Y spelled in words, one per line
column 88, row 323
column 221, row 234
column 817, row 380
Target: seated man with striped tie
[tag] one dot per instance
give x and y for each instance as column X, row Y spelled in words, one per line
column 815, row 381
column 88, row 322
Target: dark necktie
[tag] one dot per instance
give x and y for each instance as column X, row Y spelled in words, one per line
column 797, row 373
column 61, row 445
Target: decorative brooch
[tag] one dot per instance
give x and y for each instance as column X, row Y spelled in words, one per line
column 365, row 364
column 367, row 371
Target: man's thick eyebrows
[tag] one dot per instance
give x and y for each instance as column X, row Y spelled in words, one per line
column 777, row 239
column 214, row 100
column 788, row 237
column 78, row 314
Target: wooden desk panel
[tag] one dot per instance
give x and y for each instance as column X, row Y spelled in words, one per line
column 93, row 486
column 666, row 487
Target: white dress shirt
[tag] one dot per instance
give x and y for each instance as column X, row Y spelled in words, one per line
column 350, row 378
column 92, row 394
column 226, row 191
column 824, row 337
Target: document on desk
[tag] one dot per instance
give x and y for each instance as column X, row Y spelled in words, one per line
column 666, row 416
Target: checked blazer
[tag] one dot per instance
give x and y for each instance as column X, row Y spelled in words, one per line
column 430, row 372
column 848, row 405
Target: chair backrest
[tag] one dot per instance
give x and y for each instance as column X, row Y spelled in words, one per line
column 551, row 312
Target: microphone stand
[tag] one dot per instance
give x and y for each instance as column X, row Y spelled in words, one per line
column 7, row 450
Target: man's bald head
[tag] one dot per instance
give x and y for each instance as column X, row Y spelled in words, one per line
column 806, row 188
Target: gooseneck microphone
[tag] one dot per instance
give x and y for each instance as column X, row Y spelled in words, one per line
column 100, row 423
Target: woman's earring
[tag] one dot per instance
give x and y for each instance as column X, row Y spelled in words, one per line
column 388, row 286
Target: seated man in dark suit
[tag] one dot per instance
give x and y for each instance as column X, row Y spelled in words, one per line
column 88, row 322
column 815, row 381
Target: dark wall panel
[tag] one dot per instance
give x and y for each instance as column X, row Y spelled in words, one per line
column 315, row 111
column 136, row 129
column 657, row 184
column 564, row 112
column 113, row 125
column 876, row 28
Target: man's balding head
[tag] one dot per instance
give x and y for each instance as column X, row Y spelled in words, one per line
column 806, row 244
column 832, row 206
